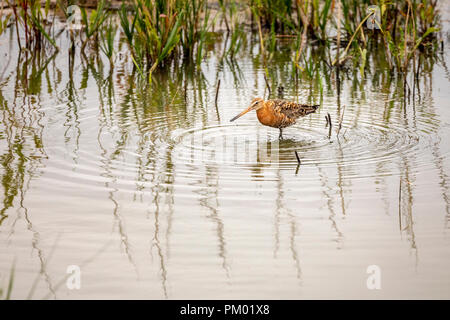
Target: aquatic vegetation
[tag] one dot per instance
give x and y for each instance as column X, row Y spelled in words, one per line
column 194, row 26
column 93, row 22
column 157, row 32
column 153, row 33
column 321, row 15
column 107, row 37
column 277, row 15
column 411, row 37
column 86, row 123
column 32, row 19
column 238, row 35
column 404, row 28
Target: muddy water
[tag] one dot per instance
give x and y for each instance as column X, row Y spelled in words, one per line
column 153, row 193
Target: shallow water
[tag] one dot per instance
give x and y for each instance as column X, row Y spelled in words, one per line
column 155, row 194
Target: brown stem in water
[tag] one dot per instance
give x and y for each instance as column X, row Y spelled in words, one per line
column 217, row 92
column 331, row 125
column 298, row 158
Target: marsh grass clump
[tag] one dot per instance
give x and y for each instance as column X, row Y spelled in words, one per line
column 158, row 31
column 404, row 28
column 152, row 31
column 416, row 34
column 32, row 18
column 93, row 23
column 237, row 34
column 276, row 15
column 194, row 27
column 107, row 38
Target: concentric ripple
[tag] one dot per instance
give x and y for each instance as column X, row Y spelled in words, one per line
column 363, row 143
column 98, row 150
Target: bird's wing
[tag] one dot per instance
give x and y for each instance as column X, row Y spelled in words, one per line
column 290, row 109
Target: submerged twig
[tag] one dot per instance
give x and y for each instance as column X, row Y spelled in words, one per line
column 331, row 125
column 217, row 92
column 299, row 162
column 298, row 158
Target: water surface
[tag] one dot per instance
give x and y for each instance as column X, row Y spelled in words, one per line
column 155, row 194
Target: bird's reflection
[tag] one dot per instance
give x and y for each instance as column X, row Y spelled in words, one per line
column 209, row 199
column 280, row 209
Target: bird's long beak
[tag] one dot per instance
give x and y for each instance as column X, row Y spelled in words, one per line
column 242, row 113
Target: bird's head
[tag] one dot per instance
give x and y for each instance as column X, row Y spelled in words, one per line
column 256, row 104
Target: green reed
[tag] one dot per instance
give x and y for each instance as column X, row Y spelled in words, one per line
column 107, row 37
column 238, row 35
column 223, row 6
column 93, row 22
column 321, row 14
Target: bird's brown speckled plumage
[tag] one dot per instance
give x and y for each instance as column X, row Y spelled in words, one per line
column 278, row 113
column 284, row 113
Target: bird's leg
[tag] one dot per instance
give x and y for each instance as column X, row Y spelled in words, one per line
column 281, row 134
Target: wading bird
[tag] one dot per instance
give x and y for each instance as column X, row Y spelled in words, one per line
column 277, row 113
